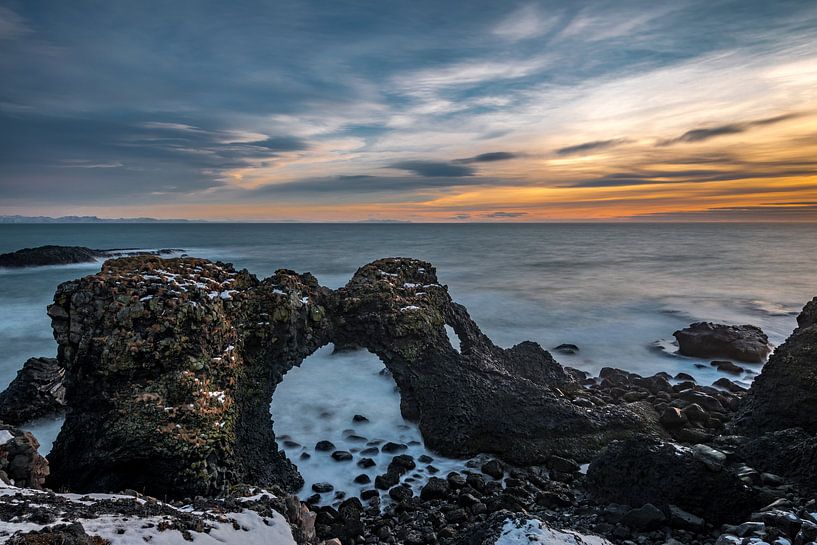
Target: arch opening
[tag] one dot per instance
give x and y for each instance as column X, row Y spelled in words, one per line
column 349, row 399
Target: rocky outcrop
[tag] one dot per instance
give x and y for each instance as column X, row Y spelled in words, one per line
column 512, row 402
column 66, row 255
column 790, row 453
column 708, row 340
column 699, row 480
column 171, row 365
column 502, row 529
column 37, row 391
column 784, row 395
column 20, row 463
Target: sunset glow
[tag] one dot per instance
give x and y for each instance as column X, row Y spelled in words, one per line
column 511, row 112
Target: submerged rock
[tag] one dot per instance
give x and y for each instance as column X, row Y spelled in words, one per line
column 67, row 255
column 784, row 395
column 37, row 391
column 708, row 340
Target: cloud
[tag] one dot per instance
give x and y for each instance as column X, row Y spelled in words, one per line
column 11, row 25
column 500, row 215
column 523, row 23
column 490, row 157
column 460, row 217
column 591, row 146
column 772, row 213
column 699, row 135
column 433, row 169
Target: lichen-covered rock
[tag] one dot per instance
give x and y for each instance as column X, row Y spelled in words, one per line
column 36, row 392
column 171, row 365
column 170, row 368
column 481, row 398
column 708, row 340
column 20, row 463
column 784, row 395
column 639, row 471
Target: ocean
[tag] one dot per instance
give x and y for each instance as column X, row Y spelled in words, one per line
column 618, row 291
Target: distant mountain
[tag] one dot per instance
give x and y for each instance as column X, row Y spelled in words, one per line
column 83, row 219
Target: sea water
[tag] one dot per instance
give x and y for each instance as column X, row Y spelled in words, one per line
column 618, row 291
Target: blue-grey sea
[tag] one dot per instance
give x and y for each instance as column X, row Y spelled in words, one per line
column 618, row 291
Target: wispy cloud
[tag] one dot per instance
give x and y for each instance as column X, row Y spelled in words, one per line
column 699, row 135
column 431, row 169
column 591, row 146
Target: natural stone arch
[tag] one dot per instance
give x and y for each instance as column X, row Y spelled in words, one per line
column 171, row 366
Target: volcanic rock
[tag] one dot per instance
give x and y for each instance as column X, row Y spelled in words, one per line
column 637, row 472
column 784, row 395
column 20, row 463
column 708, row 340
column 37, row 391
column 171, row 365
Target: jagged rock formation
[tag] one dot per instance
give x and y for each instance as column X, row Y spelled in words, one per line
column 66, row 255
column 36, row 392
column 698, row 480
column 785, row 393
column 171, row 365
column 20, row 463
column 708, row 340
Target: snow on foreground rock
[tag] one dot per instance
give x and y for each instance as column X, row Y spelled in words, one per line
column 526, row 532
column 129, row 520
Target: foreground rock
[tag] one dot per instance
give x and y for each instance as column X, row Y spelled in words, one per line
column 502, row 529
column 20, row 463
column 171, row 366
column 33, row 517
column 37, row 391
column 66, row 255
column 707, row 340
column 698, row 480
column 785, row 393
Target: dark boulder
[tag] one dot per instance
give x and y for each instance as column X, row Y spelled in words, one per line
column 641, row 471
column 784, row 395
column 37, row 391
column 708, row 340
column 67, row 255
column 60, row 534
column 20, row 463
column 791, row 453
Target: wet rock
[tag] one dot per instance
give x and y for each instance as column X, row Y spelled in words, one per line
column 636, row 472
column 401, row 464
column 400, row 493
column 322, row 488
column 363, row 479
column 386, row 481
column 784, row 395
column 36, row 392
column 434, row 489
column 678, row 518
column 493, row 468
column 727, row 367
column 566, row 348
column 366, row 463
column 359, row 419
column 728, row 385
column 646, row 517
column 341, row 456
column 66, row 255
column 706, row 340
column 672, row 417
column 391, row 447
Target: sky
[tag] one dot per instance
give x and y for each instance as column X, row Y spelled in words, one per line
column 452, row 111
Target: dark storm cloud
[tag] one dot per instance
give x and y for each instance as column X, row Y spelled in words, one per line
column 434, row 169
column 591, row 146
column 338, row 185
column 490, row 157
column 699, row 135
column 92, row 158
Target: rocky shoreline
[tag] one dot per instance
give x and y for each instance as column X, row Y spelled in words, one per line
column 166, row 368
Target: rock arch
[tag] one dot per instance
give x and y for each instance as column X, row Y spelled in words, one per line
column 171, row 366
